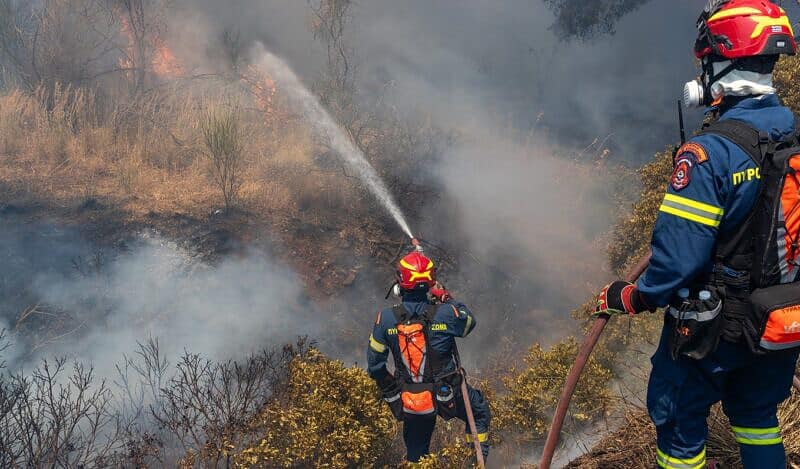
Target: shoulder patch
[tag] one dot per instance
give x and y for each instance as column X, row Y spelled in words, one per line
column 695, row 149
column 682, row 174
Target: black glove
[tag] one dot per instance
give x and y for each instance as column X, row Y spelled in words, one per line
column 390, row 392
column 619, row 297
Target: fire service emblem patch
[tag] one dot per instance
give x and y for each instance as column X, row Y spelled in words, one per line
column 682, row 175
column 695, row 149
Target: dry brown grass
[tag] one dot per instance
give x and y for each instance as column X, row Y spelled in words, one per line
column 633, row 444
column 145, row 155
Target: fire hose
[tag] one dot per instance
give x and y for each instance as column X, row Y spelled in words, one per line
column 473, row 429
column 577, row 368
column 464, row 389
column 471, row 420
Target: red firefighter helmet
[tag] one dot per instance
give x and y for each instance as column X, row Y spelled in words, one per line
column 733, row 29
column 416, row 271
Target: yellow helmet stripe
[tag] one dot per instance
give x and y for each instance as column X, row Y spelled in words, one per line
column 765, row 21
column 740, row 11
column 407, row 265
column 414, row 269
column 421, row 275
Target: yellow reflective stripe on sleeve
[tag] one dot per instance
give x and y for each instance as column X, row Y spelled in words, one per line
column 467, row 326
column 482, row 437
column 375, row 345
column 694, row 204
column 692, row 210
column 671, row 462
column 758, row 436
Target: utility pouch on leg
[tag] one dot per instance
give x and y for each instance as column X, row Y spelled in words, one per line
column 777, row 312
column 447, row 389
column 418, row 398
column 695, row 327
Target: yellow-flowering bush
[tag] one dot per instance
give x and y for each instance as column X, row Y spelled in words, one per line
column 533, row 392
column 451, row 456
column 329, row 416
column 631, row 236
column 786, row 74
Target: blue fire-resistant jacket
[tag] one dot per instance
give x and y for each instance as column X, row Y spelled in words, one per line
column 452, row 319
column 712, row 190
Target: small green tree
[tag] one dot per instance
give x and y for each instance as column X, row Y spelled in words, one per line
column 224, row 140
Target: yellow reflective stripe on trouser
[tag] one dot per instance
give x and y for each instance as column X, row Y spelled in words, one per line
column 758, row 436
column 692, row 210
column 375, row 345
column 482, row 437
column 671, row 462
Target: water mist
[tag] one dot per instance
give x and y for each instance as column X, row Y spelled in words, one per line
column 323, row 122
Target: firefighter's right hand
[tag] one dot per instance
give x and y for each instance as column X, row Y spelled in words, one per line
column 440, row 293
column 619, row 297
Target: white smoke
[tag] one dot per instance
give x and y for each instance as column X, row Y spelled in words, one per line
column 160, row 290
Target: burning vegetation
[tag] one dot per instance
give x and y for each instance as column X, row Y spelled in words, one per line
column 115, row 129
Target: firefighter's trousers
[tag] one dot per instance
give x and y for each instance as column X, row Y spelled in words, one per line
column 750, row 387
column 418, row 430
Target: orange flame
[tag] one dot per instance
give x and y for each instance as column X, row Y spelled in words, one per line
column 263, row 89
column 163, row 62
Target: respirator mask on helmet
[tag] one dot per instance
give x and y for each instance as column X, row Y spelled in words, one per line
column 394, row 290
column 694, row 93
column 750, row 76
column 699, row 92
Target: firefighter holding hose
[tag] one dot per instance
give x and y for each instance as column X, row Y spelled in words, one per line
column 723, row 246
column 421, row 333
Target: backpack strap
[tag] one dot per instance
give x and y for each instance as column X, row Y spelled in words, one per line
column 400, row 313
column 430, row 312
column 753, row 142
column 756, row 145
column 434, row 361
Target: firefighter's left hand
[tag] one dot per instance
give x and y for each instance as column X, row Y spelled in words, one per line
column 438, row 292
column 619, row 297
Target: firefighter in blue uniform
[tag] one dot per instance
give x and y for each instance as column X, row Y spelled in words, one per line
column 449, row 319
column 712, row 190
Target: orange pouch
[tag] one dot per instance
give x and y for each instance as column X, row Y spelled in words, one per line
column 777, row 309
column 418, row 399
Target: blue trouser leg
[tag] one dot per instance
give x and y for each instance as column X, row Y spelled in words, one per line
column 751, row 403
column 679, row 398
column 417, row 433
column 483, row 417
column 681, row 392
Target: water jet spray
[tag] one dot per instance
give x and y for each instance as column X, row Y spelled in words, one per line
column 339, row 140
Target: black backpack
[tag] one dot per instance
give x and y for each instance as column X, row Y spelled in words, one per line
column 425, row 387
column 756, row 266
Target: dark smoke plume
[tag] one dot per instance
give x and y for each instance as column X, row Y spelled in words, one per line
column 582, row 19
